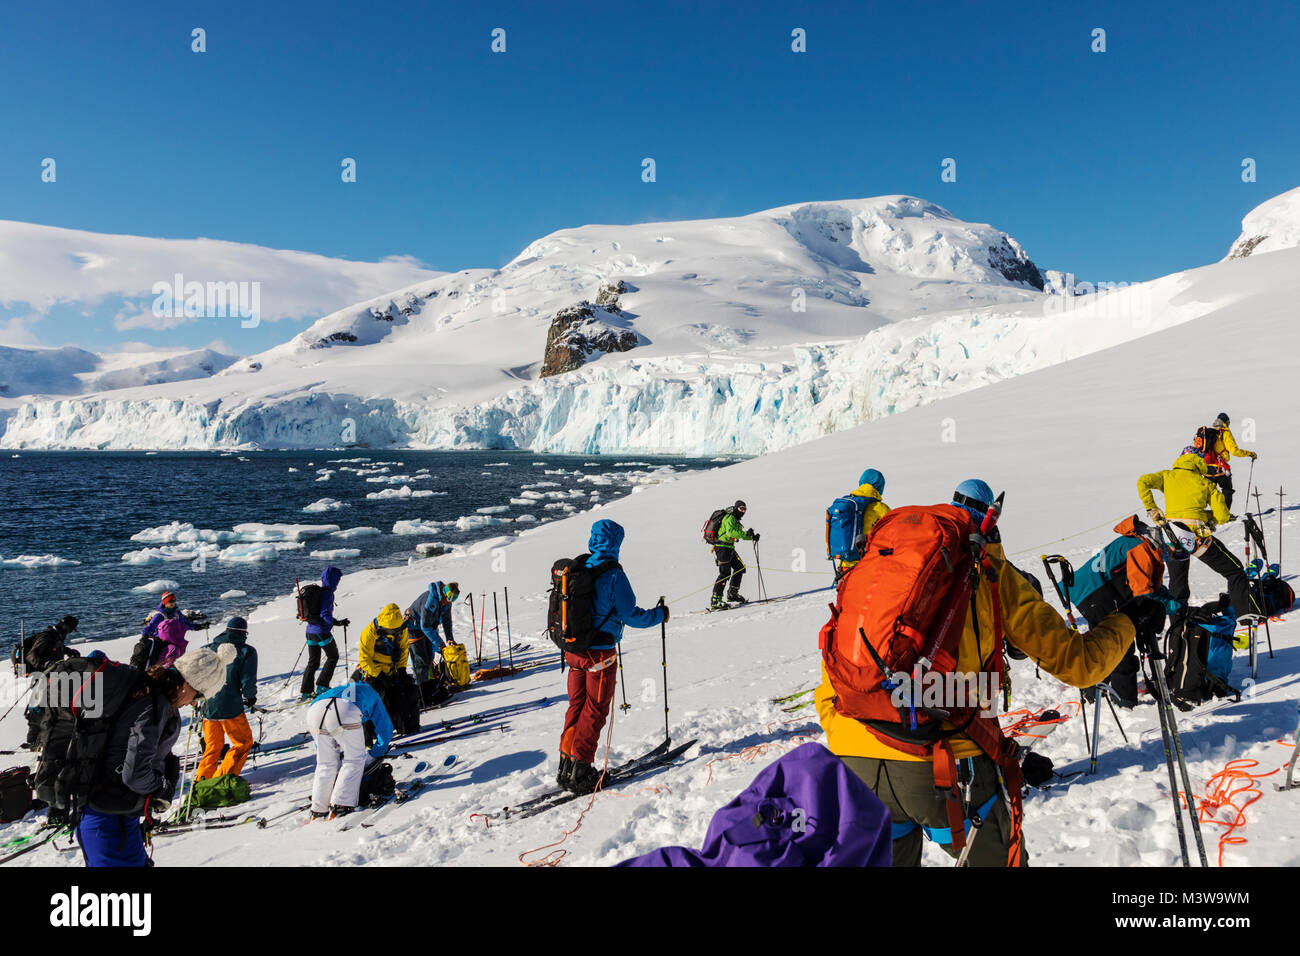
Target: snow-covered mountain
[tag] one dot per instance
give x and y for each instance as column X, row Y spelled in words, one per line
column 1270, row 226
column 740, row 335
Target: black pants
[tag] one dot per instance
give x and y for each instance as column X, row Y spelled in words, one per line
column 730, row 570
column 313, row 661
column 1224, row 481
column 1222, row 561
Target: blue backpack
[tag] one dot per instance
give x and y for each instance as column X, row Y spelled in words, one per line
column 844, row 538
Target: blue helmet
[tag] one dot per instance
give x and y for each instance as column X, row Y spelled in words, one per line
column 975, row 496
column 237, row 624
column 873, row 478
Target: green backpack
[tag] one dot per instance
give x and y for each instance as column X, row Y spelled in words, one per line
column 224, row 791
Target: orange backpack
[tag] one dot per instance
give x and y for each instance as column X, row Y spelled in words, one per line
column 900, row 614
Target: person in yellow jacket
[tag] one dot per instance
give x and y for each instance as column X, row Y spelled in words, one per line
column 1194, row 507
column 385, row 644
column 1217, row 446
column 871, row 489
column 906, row 783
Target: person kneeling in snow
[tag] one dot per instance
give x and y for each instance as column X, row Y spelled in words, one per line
column 337, row 721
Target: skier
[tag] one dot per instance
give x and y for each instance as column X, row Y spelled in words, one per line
column 1194, row 506
column 428, row 612
column 320, row 637
column 907, row 781
column 223, row 712
column 139, row 772
column 50, row 645
column 730, row 567
column 382, row 656
column 162, row 640
column 592, row 673
column 337, row 720
column 1130, row 568
column 865, row 506
column 1216, row 445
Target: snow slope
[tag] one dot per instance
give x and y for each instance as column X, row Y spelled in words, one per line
column 1270, row 226
column 1067, row 444
column 444, row 362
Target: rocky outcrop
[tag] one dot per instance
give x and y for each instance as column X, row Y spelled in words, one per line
column 1014, row 265
column 580, row 331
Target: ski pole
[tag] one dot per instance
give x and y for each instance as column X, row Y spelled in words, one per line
column 1177, row 739
column 21, row 697
column 496, row 626
column 510, row 641
column 663, row 642
column 482, row 628
column 473, row 627
column 1097, row 692
column 625, row 706
column 347, row 663
column 1279, row 525
column 293, row 670
column 1263, row 551
column 1151, row 662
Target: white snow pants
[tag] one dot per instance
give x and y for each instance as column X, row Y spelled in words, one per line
column 336, row 724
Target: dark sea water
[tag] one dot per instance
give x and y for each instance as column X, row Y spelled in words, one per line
column 85, row 507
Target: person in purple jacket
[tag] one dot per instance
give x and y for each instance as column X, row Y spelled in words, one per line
column 320, row 637
column 162, row 640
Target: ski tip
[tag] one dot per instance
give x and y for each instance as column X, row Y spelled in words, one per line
column 451, row 759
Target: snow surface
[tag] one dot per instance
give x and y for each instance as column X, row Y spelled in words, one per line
column 1270, row 226
column 1022, row 435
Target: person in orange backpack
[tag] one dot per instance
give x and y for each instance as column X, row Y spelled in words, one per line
column 956, row 783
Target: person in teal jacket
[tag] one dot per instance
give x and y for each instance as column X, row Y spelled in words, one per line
column 223, row 712
column 730, row 568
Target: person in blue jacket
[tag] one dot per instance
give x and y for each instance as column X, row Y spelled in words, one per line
column 592, row 675
column 428, row 612
column 320, row 637
column 337, row 719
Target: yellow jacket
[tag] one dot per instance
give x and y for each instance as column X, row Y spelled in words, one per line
column 1190, row 497
column 1227, row 445
column 1029, row 623
column 876, row 510
column 385, row 643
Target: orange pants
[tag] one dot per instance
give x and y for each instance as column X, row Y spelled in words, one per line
column 214, row 735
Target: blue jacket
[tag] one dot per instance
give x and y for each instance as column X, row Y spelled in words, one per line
column 329, row 580
column 372, row 710
column 427, row 612
column 614, row 604
column 241, row 678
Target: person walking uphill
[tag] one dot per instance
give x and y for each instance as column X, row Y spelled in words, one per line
column 730, row 568
column 591, row 602
column 1194, row 507
column 223, row 711
column 850, row 519
column 318, row 610
column 949, row 774
column 1214, row 443
column 138, row 772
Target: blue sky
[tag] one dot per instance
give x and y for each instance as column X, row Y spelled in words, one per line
column 1121, row 165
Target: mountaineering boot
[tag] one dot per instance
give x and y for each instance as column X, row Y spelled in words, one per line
column 584, row 779
column 319, row 815
column 340, row 811
column 736, row 599
column 564, row 778
column 717, row 604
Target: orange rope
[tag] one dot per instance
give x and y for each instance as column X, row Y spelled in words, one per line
column 750, row 754
column 1026, row 717
column 1234, row 788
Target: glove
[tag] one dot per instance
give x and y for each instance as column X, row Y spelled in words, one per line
column 1156, row 515
column 665, row 607
column 250, row 702
column 1037, row 769
column 71, row 652
column 1252, row 455
column 343, row 622
column 756, row 537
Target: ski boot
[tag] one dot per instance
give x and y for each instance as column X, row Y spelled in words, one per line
column 564, row 778
column 319, row 815
column 718, row 604
column 736, row 599
column 585, row 777
column 338, row 810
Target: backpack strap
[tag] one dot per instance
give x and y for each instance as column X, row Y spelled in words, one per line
column 945, row 784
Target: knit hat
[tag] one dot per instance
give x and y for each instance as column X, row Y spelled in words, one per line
column 1222, row 420
column 205, row 670
column 166, row 596
column 740, row 506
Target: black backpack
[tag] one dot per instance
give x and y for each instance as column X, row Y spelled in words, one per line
column 570, row 612
column 1188, row 671
column 79, row 702
column 309, row 602
column 1276, row 595
column 710, row 529
column 377, row 783
column 15, row 794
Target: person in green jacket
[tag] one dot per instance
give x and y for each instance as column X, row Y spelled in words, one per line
column 223, row 712
column 730, row 567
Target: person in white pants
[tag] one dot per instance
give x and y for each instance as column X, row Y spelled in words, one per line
column 337, row 720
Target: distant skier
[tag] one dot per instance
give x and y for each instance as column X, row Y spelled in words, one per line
column 611, row 605
column 223, row 711
column 730, row 568
column 428, row 612
column 1129, row 569
column 337, row 720
column 1216, row 445
column 318, row 611
column 1194, row 507
column 850, row 519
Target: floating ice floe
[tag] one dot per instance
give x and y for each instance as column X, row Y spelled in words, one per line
column 233, row 593
column 430, row 548
column 493, row 509
column 337, row 554
column 471, row 522
column 30, row 562
column 417, row 526
column 402, row 492
column 170, row 552
column 257, row 531
column 257, row 552
column 157, row 587
column 326, row 504
column 350, row 533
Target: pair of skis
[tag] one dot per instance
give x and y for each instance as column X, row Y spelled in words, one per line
column 661, row 756
column 422, row 777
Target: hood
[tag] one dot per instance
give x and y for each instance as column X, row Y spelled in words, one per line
column 390, row 617
column 174, row 612
column 606, row 538
column 1191, row 462
column 433, row 596
column 1129, row 527
column 865, row 490
column 233, row 638
column 330, row 578
column 173, row 629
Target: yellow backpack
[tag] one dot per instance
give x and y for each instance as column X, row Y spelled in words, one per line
column 457, row 660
